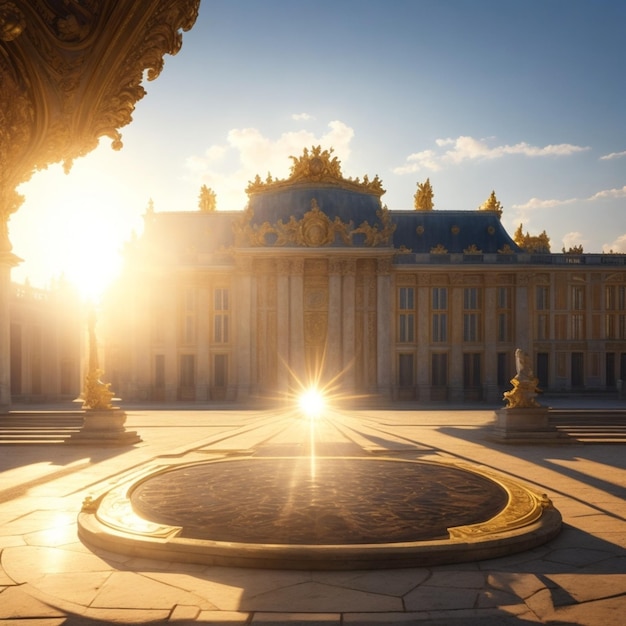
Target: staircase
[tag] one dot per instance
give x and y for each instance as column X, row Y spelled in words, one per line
column 38, row 427
column 591, row 425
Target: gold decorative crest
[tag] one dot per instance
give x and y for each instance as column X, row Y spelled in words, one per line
column 314, row 230
column 316, row 166
column 492, row 204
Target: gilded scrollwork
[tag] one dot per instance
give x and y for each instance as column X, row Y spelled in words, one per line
column 315, row 229
column 57, row 96
column 316, row 165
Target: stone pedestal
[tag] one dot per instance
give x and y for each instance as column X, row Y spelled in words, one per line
column 104, row 427
column 525, row 425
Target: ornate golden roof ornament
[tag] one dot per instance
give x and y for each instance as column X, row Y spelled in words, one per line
column 423, row 198
column 506, row 249
column 473, row 249
column 207, row 201
column 492, row 204
column 316, row 166
column 315, row 229
column 439, row 249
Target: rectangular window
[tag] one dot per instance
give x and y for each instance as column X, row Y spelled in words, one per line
column 439, row 305
column 471, row 327
column 503, row 295
column 440, row 327
column 189, row 316
column 578, row 298
column 578, row 326
column 440, row 298
column 439, row 370
column 472, row 316
column 406, row 315
column 471, row 371
column 187, row 371
column 221, row 370
column 405, row 370
column 504, row 372
column 221, row 316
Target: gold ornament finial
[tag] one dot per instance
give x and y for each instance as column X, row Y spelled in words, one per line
column 208, row 200
column 424, row 196
column 492, row 204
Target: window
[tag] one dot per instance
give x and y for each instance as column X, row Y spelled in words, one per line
column 503, row 314
column 542, row 298
column 221, row 316
column 578, row 298
column 439, row 315
column 578, row 326
column 471, row 371
column 187, row 370
column 543, row 326
column 439, row 370
column 189, row 316
column 405, row 370
column 615, row 301
column 221, row 370
column 406, row 314
column 472, row 316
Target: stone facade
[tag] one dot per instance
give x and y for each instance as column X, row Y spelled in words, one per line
column 316, row 282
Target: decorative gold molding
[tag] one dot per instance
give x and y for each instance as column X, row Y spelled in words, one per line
column 439, row 249
column 473, row 249
column 316, row 166
column 314, row 230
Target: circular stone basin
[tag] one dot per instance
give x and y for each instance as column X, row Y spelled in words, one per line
column 319, row 513
column 323, row 501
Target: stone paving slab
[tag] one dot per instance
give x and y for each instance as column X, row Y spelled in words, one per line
column 48, row 577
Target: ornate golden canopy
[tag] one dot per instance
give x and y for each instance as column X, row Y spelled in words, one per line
column 70, row 73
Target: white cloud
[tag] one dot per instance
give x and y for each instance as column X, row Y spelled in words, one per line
column 301, row 116
column 257, row 154
column 465, row 148
column 538, row 203
column 613, row 155
column 619, row 245
column 609, row 193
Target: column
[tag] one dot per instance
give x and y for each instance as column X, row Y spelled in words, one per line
column 203, row 376
column 423, row 337
column 384, row 306
column 348, row 323
column 490, row 365
column 456, row 340
column 296, row 320
column 7, row 261
column 244, row 322
column 333, row 340
column 282, row 323
column 522, row 313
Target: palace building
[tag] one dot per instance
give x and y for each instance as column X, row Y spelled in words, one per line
column 317, row 282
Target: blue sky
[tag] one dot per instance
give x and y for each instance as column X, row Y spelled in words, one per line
column 526, row 98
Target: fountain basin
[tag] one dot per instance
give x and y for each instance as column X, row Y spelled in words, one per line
column 324, row 513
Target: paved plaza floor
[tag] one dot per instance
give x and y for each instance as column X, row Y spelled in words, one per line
column 49, row 577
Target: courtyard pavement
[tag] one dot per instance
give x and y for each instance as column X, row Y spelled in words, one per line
column 49, row 577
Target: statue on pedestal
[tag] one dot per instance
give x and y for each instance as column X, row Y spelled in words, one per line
column 524, row 384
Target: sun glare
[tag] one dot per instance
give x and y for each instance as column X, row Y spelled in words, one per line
column 311, row 403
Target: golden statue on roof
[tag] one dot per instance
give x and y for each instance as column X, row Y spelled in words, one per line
column 207, row 200
column 423, row 198
column 492, row 204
